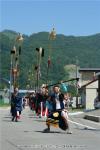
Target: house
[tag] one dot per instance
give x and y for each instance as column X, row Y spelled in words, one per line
column 90, row 81
column 88, row 93
column 88, row 74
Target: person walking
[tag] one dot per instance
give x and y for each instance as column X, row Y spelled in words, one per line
column 16, row 105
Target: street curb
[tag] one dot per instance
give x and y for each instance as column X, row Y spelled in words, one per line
column 75, row 113
column 92, row 118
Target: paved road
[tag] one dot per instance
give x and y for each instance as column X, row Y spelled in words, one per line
column 27, row 134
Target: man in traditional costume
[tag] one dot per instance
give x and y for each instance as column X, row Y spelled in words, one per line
column 16, row 105
column 57, row 116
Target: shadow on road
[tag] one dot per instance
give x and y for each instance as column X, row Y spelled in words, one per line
column 88, row 129
column 6, row 120
column 58, row 132
column 7, row 117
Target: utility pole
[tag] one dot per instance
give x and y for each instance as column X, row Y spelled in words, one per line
column 77, row 76
column 12, row 56
column 0, row 69
column 99, row 87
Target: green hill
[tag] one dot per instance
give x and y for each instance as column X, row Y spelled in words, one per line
column 63, row 51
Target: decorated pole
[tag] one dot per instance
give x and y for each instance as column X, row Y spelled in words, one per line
column 77, row 79
column 14, row 65
column 40, row 54
column 19, row 41
column 52, row 36
column 48, row 66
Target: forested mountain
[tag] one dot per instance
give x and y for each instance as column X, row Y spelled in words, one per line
column 64, row 50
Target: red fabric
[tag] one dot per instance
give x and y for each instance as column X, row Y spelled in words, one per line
column 49, row 62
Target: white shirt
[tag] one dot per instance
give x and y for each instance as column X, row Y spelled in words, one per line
column 57, row 101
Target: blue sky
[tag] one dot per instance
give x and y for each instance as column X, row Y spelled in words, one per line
column 68, row 17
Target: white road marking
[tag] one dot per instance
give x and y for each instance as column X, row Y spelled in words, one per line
column 75, row 113
column 88, row 127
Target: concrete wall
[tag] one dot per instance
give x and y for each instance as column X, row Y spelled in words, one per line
column 91, row 93
column 90, row 96
column 86, row 77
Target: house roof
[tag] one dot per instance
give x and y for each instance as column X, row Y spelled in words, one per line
column 97, row 74
column 89, row 69
column 89, row 83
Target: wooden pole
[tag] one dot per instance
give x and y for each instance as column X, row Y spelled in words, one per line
column 63, row 82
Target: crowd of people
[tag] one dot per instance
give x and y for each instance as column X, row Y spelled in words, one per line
column 54, row 105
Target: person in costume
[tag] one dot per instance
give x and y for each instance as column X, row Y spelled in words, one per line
column 41, row 98
column 16, row 105
column 56, row 116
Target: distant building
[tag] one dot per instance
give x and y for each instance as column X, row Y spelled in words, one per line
column 88, row 74
column 88, row 93
column 90, row 82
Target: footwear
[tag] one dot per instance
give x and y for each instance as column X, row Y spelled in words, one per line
column 16, row 120
column 13, row 119
column 46, row 130
column 69, row 132
column 40, row 116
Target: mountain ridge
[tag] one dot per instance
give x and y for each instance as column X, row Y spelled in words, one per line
column 63, row 50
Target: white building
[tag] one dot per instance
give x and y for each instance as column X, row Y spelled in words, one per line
column 88, row 93
column 90, row 83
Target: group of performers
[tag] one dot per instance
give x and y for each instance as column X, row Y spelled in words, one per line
column 54, row 105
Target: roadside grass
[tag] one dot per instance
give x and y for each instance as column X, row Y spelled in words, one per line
column 2, row 104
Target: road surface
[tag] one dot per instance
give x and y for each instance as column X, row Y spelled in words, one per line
column 27, row 134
